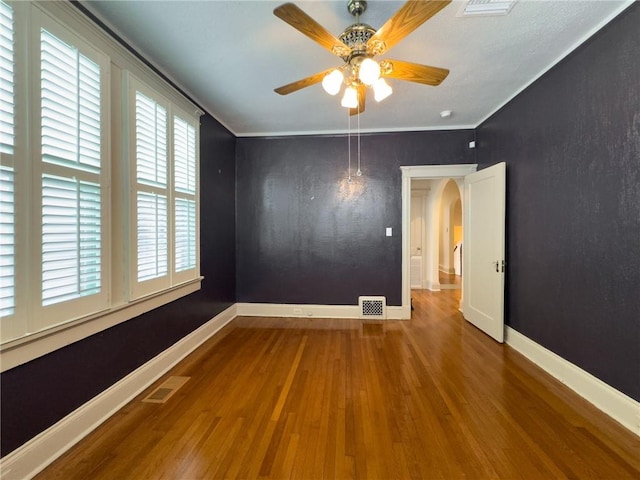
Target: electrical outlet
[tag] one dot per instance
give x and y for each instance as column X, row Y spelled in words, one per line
column 297, row 311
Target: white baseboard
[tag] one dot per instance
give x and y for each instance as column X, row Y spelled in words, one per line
column 433, row 286
column 446, row 271
column 32, row 457
column 614, row 403
column 303, row 310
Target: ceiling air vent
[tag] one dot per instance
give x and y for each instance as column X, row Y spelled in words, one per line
column 486, row 7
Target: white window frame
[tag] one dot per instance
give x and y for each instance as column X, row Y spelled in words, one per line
column 188, row 274
column 47, row 316
column 139, row 289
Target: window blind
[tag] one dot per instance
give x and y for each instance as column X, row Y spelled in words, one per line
column 7, row 243
column 151, row 141
column 152, row 236
column 185, row 228
column 71, row 260
column 70, row 106
column 71, row 198
column 151, row 199
column 184, row 164
column 184, row 145
column 7, row 198
column 7, row 100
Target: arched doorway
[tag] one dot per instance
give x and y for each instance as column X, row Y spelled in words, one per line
column 450, row 235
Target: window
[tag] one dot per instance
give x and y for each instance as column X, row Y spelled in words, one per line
column 184, row 191
column 66, row 179
column 164, row 214
column 71, row 152
column 151, row 189
column 53, row 226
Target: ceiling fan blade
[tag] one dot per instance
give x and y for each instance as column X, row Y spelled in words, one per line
column 362, row 97
column 410, row 16
column 302, row 22
column 304, row 83
column 413, row 72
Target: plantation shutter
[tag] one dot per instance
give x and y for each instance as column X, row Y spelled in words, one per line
column 7, row 243
column 152, row 234
column 7, row 128
column 185, row 243
column 71, row 152
column 7, row 98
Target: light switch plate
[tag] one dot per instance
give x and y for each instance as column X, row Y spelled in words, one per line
column 389, row 232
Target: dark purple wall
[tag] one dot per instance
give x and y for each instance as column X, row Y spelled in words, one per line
column 304, row 235
column 36, row 395
column 571, row 142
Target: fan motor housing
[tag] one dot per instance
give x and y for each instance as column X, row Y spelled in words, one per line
column 356, row 37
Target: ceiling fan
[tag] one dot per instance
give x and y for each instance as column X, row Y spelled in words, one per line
column 357, row 46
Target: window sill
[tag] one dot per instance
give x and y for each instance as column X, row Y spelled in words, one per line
column 22, row 350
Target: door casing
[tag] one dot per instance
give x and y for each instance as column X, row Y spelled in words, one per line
column 416, row 172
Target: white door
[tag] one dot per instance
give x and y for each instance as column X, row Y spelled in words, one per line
column 483, row 250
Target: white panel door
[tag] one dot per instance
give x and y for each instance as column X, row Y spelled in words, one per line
column 483, row 250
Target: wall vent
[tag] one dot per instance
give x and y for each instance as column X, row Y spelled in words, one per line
column 373, row 307
column 166, row 390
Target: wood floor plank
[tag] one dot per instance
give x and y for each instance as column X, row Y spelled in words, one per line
column 306, row 398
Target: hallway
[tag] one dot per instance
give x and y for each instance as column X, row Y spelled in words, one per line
column 305, row 398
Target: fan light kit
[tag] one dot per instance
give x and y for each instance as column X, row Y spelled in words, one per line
column 357, row 46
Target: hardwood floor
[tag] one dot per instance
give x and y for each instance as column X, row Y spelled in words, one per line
column 449, row 279
column 307, row 398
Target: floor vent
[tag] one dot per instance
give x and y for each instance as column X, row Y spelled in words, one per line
column 165, row 391
column 373, row 307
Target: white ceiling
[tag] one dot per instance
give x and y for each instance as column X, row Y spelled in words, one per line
column 230, row 55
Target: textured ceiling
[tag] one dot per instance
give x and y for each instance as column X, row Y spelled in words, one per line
column 230, row 55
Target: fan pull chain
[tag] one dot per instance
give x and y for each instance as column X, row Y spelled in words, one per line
column 349, row 144
column 359, row 172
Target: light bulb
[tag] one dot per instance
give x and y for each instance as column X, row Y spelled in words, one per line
column 369, row 71
column 381, row 90
column 350, row 99
column 332, row 82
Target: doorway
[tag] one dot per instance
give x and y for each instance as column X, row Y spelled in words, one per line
column 450, row 234
column 436, row 233
column 438, row 177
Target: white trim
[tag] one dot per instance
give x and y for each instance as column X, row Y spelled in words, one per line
column 614, row 403
column 309, row 311
column 408, row 173
column 438, row 171
column 26, row 348
column 339, row 131
column 32, row 457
